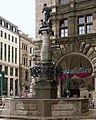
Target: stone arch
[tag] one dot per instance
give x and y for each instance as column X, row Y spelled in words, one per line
column 86, row 49
column 75, row 54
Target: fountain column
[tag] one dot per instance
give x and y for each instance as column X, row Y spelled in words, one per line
column 46, row 86
column 46, row 52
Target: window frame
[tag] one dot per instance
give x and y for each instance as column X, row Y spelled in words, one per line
column 63, row 27
column 88, row 22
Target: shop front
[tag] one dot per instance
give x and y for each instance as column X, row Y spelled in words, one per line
column 80, row 74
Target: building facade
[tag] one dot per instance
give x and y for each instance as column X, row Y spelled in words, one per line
column 74, row 40
column 9, row 56
column 26, row 61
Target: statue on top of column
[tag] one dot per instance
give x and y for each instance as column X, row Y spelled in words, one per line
column 46, row 22
column 46, row 10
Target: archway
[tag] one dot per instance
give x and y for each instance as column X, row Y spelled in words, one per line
column 71, row 61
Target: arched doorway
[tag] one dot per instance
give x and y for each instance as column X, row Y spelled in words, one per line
column 72, row 61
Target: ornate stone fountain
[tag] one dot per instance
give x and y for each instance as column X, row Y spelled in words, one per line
column 46, row 85
column 46, row 106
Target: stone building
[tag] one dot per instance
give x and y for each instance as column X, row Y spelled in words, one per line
column 16, row 50
column 26, row 55
column 9, row 56
column 74, row 40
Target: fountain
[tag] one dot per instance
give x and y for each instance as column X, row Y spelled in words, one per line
column 46, row 85
column 45, row 105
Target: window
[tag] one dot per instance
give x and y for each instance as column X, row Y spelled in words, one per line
column 81, row 20
column 5, row 35
column 1, row 50
column 30, row 50
column 14, row 29
column 12, row 38
column 12, row 54
column 64, row 33
column 8, row 53
column 5, row 51
column 11, row 71
column 16, row 72
column 81, row 30
column 30, row 62
column 8, row 36
column 89, row 28
column 16, row 87
column 9, row 26
column 89, row 18
column 15, row 40
column 24, row 61
column 1, row 33
column 26, row 47
column 85, row 24
column 15, row 55
column 64, row 23
column 3, row 23
column 64, row 28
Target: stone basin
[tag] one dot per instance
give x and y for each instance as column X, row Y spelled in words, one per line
column 46, row 107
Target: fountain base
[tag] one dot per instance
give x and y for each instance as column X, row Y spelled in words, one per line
column 46, row 89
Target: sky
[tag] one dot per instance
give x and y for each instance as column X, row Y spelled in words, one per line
column 21, row 13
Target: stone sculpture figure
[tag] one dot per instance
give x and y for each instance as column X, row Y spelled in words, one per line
column 46, row 23
column 46, row 10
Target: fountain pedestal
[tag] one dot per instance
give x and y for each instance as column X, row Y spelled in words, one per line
column 46, row 90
